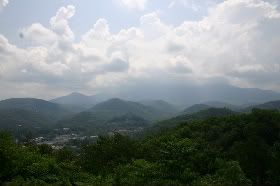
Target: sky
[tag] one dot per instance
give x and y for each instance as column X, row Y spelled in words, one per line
column 51, row 48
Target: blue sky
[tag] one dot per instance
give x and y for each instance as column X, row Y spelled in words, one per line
column 95, row 46
column 19, row 14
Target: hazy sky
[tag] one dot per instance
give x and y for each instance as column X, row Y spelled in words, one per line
column 53, row 47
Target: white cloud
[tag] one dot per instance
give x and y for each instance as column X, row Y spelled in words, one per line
column 152, row 26
column 3, row 3
column 100, row 31
column 59, row 23
column 237, row 41
column 180, row 65
column 39, row 34
column 134, row 4
column 59, row 31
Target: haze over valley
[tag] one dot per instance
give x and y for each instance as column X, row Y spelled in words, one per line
column 140, row 92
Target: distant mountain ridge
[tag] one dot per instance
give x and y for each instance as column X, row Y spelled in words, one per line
column 211, row 104
column 162, row 106
column 267, row 105
column 202, row 114
column 106, row 114
column 202, row 111
column 195, row 108
column 219, row 104
column 112, row 114
column 191, row 94
column 19, row 120
column 183, row 95
column 23, row 115
column 75, row 98
column 118, row 106
column 50, row 110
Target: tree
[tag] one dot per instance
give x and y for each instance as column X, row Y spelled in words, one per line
column 107, row 153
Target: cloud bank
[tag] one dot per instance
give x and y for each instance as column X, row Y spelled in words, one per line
column 237, row 42
column 3, row 3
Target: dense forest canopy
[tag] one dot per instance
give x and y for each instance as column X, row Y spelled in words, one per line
column 240, row 149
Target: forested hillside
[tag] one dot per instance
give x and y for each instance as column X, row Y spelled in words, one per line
column 196, row 108
column 52, row 111
column 240, row 149
column 105, row 116
column 200, row 115
column 268, row 105
column 23, row 121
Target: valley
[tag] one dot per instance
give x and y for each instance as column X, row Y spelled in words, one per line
column 125, row 142
column 54, row 123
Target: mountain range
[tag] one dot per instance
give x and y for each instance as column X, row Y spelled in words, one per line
column 201, row 114
column 187, row 95
column 30, row 114
column 179, row 95
column 275, row 105
column 50, row 110
column 99, row 117
column 91, row 114
column 75, row 98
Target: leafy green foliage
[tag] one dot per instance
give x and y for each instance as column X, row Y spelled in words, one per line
column 108, row 153
column 232, row 150
column 200, row 115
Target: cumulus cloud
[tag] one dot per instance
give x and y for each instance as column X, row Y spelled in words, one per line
column 3, row 3
column 39, row 34
column 59, row 23
column 118, row 63
column 100, row 30
column 236, row 42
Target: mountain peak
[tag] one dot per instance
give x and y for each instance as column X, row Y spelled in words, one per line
column 76, row 94
column 49, row 109
column 113, row 103
column 115, row 100
column 75, row 98
column 196, row 108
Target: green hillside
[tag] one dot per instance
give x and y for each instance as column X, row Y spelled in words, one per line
column 167, row 109
column 203, row 114
column 127, row 121
column 195, row 108
column 268, row 105
column 235, row 150
column 100, row 118
column 52, row 111
column 116, row 107
column 19, row 121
